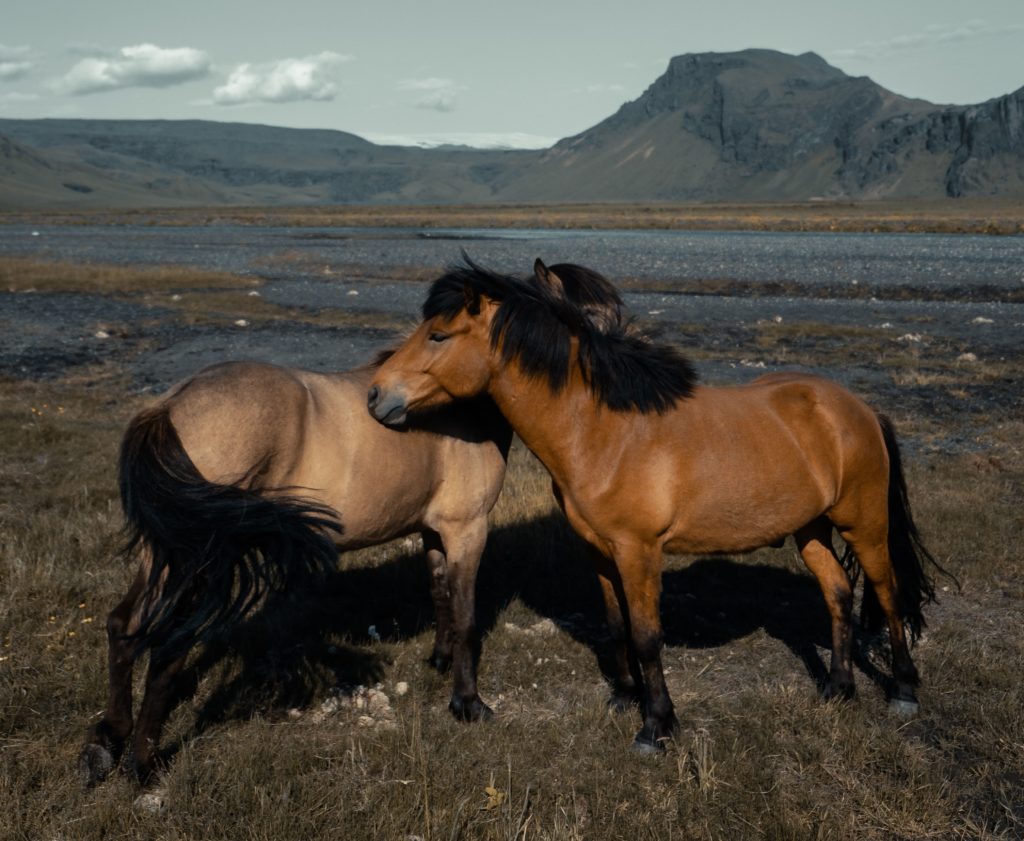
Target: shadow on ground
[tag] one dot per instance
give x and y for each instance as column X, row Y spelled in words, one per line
column 283, row 657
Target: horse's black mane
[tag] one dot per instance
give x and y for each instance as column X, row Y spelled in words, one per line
column 533, row 326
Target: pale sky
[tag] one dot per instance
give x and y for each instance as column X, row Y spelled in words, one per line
column 524, row 72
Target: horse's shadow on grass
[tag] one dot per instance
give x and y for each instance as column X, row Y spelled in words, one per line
column 282, row 656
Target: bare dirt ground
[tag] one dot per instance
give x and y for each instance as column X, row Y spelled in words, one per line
column 321, row 718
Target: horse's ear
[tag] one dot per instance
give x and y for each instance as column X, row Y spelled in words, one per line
column 471, row 300
column 548, row 280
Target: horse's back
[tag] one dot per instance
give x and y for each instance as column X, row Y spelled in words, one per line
column 268, row 426
column 757, row 461
column 238, row 420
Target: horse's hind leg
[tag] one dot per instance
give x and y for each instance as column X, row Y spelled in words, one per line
column 440, row 593
column 159, row 697
column 815, row 544
column 105, row 741
column 872, row 554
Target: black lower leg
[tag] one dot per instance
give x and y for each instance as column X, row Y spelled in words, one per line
column 106, row 739
column 440, row 594
column 659, row 714
column 157, row 703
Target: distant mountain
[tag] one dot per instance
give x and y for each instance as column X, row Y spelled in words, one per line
column 196, row 162
column 763, row 125
column 751, row 125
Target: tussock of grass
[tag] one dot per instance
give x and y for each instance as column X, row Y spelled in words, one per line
column 256, row 756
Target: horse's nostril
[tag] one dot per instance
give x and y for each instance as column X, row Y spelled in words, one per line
column 372, row 397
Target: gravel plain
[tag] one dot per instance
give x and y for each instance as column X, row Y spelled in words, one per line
column 852, row 306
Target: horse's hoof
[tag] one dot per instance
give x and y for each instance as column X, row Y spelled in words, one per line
column 646, row 746
column 472, row 709
column 621, row 703
column 142, row 772
column 95, row 763
column 904, row 707
column 439, row 662
column 842, row 692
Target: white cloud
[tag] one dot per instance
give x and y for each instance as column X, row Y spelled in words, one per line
column 139, row 66
column 435, row 94
column 11, row 70
column 287, row 80
column 14, row 62
column 932, row 36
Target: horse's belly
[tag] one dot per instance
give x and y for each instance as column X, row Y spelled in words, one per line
column 745, row 521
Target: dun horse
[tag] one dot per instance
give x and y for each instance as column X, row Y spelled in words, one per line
column 247, row 475
column 644, row 461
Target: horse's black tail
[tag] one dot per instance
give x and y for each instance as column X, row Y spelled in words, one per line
column 213, row 549
column 906, row 551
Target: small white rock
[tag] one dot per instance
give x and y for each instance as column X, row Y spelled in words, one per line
column 909, row 337
column 175, row 297
column 967, row 357
column 241, row 322
column 982, row 320
column 401, row 688
column 254, row 294
column 377, row 702
column 152, row 803
column 352, row 292
column 102, row 334
column 545, row 628
column 777, row 319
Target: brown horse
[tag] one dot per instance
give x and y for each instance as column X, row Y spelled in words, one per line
column 247, row 475
column 644, row 461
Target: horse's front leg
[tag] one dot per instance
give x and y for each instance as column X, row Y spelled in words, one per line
column 617, row 664
column 440, row 594
column 464, row 544
column 106, row 739
column 640, row 570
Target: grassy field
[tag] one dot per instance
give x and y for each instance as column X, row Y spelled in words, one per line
column 987, row 216
column 322, row 719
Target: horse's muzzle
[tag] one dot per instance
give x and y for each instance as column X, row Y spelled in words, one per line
column 386, row 407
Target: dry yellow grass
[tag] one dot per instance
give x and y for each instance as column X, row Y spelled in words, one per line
column 275, row 746
column 30, row 275
column 266, row 750
column 990, row 216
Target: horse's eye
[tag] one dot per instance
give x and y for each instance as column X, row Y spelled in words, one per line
column 437, row 338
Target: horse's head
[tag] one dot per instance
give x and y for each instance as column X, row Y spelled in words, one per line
column 447, row 358
column 475, row 320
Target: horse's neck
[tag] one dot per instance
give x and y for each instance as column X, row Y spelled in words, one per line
column 554, row 426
